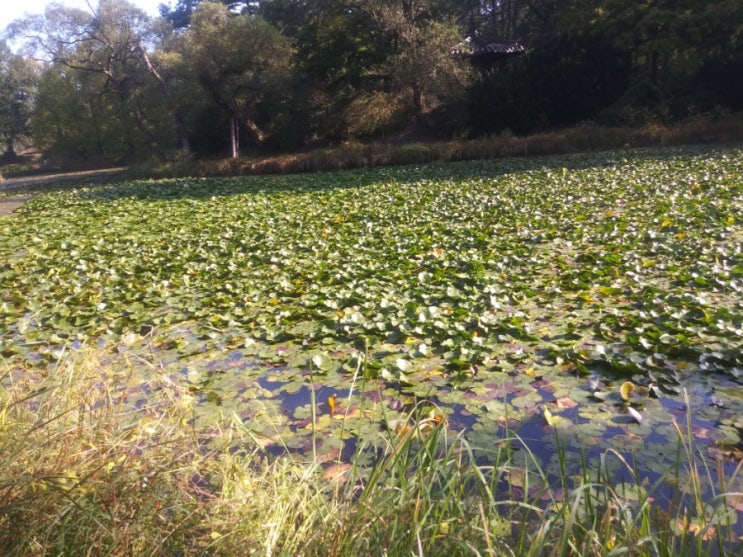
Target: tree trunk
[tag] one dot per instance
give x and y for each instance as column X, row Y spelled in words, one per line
column 234, row 137
column 258, row 134
column 10, row 156
column 419, row 99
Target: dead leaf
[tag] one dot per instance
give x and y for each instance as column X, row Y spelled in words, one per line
column 566, row 402
column 336, row 473
column 549, row 418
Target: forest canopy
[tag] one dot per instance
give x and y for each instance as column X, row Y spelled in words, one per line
column 224, row 78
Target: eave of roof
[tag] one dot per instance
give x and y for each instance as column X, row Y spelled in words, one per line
column 479, row 47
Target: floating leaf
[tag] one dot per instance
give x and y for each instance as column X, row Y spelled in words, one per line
column 403, row 365
column 322, row 362
column 635, row 414
column 548, row 417
column 566, row 402
column 387, row 375
column 626, row 390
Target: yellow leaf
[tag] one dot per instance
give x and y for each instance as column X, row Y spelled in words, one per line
column 665, row 224
column 626, row 389
column 215, row 535
column 331, row 404
column 549, row 418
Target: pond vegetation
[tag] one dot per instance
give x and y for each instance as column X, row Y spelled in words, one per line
column 563, row 335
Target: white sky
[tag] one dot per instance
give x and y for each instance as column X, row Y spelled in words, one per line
column 13, row 9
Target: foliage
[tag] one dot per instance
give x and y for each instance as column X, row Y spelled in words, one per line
column 674, row 46
column 568, row 80
column 18, row 81
column 720, row 128
column 196, row 80
column 103, row 54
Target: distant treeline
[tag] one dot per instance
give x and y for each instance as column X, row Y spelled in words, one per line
column 234, row 77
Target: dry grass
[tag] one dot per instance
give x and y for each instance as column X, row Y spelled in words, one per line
column 586, row 138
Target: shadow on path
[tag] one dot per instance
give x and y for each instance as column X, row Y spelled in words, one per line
column 10, row 202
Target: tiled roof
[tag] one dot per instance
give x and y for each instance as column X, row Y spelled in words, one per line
column 478, row 47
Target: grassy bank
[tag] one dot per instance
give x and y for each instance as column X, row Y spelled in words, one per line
column 84, row 472
column 587, row 138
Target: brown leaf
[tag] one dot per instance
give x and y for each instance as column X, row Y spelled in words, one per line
column 336, row 473
column 566, row 402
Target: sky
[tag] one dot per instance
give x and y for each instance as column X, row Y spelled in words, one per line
column 13, row 9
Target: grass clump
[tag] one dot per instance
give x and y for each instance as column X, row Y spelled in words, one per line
column 84, row 470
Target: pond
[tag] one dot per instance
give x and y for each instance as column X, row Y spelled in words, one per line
column 584, row 304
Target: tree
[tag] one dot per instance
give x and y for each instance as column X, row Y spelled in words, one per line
column 244, row 64
column 721, row 48
column 74, row 120
column 338, row 55
column 421, row 33
column 686, row 54
column 18, row 81
column 110, row 41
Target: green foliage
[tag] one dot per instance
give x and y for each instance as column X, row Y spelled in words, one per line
column 568, row 79
column 675, row 46
column 105, row 81
column 18, row 81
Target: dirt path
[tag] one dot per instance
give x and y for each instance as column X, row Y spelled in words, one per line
column 8, row 205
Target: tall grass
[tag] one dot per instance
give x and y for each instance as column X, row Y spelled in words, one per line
column 83, row 470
